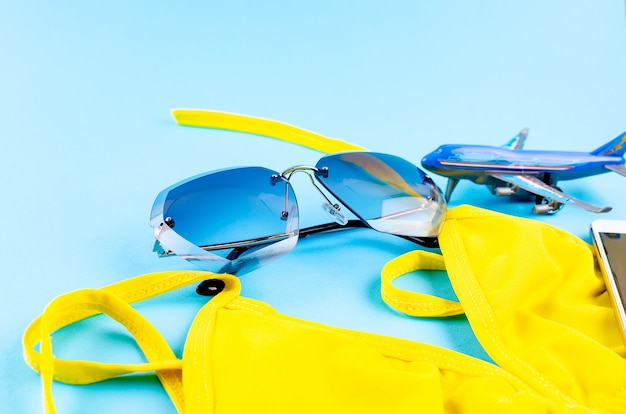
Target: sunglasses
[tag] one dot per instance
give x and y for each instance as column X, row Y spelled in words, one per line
column 235, row 220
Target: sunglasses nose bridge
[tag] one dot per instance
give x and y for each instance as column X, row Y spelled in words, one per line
column 332, row 209
column 305, row 169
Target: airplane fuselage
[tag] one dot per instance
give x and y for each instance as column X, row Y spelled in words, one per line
column 477, row 162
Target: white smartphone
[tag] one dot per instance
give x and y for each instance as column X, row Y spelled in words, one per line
column 609, row 238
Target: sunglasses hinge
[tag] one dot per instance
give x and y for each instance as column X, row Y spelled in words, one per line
column 323, row 172
column 275, row 179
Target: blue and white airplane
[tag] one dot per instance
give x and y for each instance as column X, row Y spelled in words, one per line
column 510, row 170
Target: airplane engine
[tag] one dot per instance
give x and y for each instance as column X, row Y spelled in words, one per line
column 501, row 189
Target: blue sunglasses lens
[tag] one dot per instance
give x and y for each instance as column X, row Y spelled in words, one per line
column 232, row 213
column 389, row 193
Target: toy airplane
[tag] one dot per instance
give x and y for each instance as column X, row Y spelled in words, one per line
column 510, row 170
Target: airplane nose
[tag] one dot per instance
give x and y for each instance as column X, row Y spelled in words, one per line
column 426, row 161
column 429, row 157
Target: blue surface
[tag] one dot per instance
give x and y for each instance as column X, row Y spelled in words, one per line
column 88, row 142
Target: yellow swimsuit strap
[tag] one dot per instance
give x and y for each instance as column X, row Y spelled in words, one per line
column 263, row 127
column 114, row 300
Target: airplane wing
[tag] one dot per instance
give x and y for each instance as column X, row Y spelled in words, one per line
column 618, row 168
column 538, row 187
column 518, row 141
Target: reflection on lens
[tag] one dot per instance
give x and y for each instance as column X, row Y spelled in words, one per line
column 389, row 193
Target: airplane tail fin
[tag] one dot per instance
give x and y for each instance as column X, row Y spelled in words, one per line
column 616, row 147
column 518, row 141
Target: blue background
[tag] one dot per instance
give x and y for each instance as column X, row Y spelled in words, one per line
column 86, row 90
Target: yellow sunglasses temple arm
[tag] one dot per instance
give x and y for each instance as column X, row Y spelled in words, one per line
column 264, row 127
